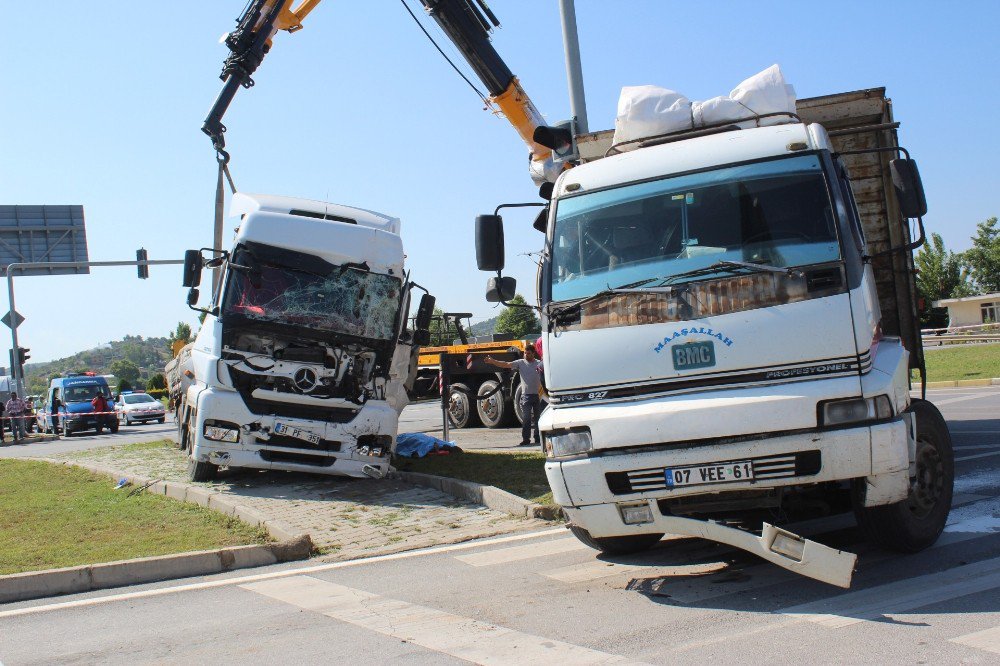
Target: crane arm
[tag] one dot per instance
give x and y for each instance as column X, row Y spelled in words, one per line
column 248, row 44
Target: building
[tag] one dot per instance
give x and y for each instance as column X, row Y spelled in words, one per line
column 972, row 310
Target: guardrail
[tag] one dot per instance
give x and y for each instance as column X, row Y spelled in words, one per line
column 961, row 335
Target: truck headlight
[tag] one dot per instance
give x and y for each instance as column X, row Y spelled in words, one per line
column 222, row 431
column 855, row 410
column 568, row 443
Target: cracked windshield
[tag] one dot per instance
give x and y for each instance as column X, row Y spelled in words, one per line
column 347, row 300
column 776, row 213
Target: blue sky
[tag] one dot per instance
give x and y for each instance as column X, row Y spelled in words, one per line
column 103, row 108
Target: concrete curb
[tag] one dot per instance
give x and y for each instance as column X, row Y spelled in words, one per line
column 489, row 496
column 291, row 545
column 959, row 383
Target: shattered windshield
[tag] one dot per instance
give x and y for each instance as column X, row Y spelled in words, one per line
column 775, row 213
column 347, row 300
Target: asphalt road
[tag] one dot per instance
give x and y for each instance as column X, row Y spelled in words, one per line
column 543, row 598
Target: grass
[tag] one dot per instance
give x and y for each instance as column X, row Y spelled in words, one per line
column 54, row 516
column 520, row 473
column 964, row 362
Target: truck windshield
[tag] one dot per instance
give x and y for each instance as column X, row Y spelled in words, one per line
column 82, row 393
column 775, row 213
column 347, row 300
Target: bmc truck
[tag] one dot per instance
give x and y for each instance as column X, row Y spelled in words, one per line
column 729, row 322
column 304, row 356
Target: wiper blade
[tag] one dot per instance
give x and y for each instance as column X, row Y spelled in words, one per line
column 724, row 265
column 557, row 313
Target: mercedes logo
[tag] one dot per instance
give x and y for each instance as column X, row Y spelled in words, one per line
column 304, row 379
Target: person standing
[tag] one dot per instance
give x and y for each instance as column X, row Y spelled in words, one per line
column 100, row 405
column 54, row 411
column 15, row 411
column 2, row 421
column 530, row 370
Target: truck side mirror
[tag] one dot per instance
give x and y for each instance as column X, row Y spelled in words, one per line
column 541, row 220
column 489, row 242
column 192, row 298
column 192, row 269
column 500, row 289
column 422, row 322
column 909, row 188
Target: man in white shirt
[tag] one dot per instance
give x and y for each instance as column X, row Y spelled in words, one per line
column 530, row 370
column 15, row 411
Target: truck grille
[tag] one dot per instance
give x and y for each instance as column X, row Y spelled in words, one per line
column 295, row 443
column 297, row 458
column 789, row 465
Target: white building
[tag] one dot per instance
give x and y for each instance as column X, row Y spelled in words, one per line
column 972, row 310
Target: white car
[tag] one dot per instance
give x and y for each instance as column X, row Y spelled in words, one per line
column 139, row 408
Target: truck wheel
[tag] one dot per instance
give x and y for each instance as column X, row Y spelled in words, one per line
column 622, row 545
column 461, row 411
column 113, row 426
column 495, row 410
column 201, row 471
column 916, row 522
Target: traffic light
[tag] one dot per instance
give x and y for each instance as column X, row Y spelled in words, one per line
column 140, row 255
column 22, row 355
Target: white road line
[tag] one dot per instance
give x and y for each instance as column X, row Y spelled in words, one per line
column 988, row 639
column 462, row 637
column 978, row 455
column 973, row 432
column 518, row 553
column 974, row 447
column 128, row 596
column 596, row 569
column 896, row 598
column 962, row 398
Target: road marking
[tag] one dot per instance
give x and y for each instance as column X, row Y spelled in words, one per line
column 518, row 553
column 962, row 398
column 462, row 637
column 895, row 598
column 974, row 447
column 988, row 639
column 973, row 432
column 188, row 587
column 596, row 569
column 978, row 455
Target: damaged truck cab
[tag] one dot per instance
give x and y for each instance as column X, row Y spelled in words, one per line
column 303, row 358
column 729, row 336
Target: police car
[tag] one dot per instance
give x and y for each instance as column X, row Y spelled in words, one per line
column 137, row 407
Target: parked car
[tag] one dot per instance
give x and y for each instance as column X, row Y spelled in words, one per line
column 139, row 408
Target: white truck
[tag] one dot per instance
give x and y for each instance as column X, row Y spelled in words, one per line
column 304, row 356
column 729, row 321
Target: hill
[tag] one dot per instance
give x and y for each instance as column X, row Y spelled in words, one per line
column 485, row 327
column 149, row 354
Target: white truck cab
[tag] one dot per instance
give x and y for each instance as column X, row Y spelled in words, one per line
column 303, row 357
column 716, row 347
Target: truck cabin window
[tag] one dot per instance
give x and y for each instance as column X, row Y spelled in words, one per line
column 347, row 300
column 84, row 393
column 776, row 213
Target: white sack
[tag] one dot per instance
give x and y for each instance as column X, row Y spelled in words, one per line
column 646, row 111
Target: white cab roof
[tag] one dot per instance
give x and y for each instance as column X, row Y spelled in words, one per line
column 693, row 154
column 244, row 203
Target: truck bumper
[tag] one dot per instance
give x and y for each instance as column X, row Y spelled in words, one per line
column 338, row 452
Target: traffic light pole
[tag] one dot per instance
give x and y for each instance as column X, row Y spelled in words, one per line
column 16, row 370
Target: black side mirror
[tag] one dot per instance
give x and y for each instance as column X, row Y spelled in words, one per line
column 541, row 220
column 500, row 289
column 489, row 242
column 192, row 299
column 909, row 188
column 422, row 322
column 192, row 269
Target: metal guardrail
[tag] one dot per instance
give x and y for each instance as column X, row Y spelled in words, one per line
column 961, row 335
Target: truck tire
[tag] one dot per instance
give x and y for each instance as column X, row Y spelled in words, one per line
column 621, row 545
column 461, row 408
column 916, row 522
column 494, row 411
column 201, row 471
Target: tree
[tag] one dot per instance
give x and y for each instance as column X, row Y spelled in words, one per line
column 124, row 385
column 940, row 274
column 126, row 371
column 182, row 332
column 157, row 381
column 518, row 321
column 983, row 260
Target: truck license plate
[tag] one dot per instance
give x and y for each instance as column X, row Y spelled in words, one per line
column 719, row 473
column 289, row 431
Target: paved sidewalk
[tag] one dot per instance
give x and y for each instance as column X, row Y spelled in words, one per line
column 346, row 518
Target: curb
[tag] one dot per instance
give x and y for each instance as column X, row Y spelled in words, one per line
column 958, row 383
column 489, row 496
column 291, row 545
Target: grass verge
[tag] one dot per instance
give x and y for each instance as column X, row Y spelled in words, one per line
column 520, row 473
column 966, row 362
column 54, row 516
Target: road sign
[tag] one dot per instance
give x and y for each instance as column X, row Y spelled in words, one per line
column 18, row 319
column 37, row 234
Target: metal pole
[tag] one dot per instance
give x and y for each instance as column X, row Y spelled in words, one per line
column 15, row 369
column 574, row 70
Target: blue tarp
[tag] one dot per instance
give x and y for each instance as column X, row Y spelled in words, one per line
column 418, row 445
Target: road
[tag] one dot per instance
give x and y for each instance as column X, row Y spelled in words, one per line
column 541, row 597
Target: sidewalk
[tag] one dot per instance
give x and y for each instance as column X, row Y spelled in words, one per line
column 346, row 518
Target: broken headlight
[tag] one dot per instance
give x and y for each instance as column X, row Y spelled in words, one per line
column 222, row 431
column 564, row 444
